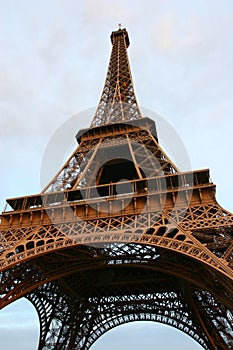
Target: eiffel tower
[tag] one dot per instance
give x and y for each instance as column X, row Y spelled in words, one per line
column 120, row 234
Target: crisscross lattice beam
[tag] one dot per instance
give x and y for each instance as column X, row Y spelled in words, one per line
column 118, row 101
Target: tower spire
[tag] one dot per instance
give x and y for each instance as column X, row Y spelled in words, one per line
column 118, row 101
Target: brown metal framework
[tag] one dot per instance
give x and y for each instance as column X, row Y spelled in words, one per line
column 120, row 234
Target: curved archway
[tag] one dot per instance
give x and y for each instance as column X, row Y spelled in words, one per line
column 23, row 317
column 123, row 263
column 145, row 334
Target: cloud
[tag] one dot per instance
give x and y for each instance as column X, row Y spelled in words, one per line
column 173, row 34
column 105, row 10
column 21, row 338
column 21, row 317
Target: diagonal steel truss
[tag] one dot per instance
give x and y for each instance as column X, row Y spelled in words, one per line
column 139, row 145
column 118, row 101
column 120, row 234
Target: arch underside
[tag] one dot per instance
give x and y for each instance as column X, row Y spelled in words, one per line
column 82, row 304
column 86, row 320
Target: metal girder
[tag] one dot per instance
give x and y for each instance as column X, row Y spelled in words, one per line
column 120, row 234
column 118, row 102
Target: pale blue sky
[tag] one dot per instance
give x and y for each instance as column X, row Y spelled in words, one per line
column 54, row 56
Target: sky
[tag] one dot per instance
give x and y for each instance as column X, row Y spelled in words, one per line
column 53, row 62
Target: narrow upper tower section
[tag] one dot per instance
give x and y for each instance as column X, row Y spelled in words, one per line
column 118, row 101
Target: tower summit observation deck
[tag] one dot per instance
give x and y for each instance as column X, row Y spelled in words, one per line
column 120, row 234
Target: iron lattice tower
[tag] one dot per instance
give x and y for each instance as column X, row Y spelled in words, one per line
column 120, row 234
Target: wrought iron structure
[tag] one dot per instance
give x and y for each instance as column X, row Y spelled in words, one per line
column 120, row 234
